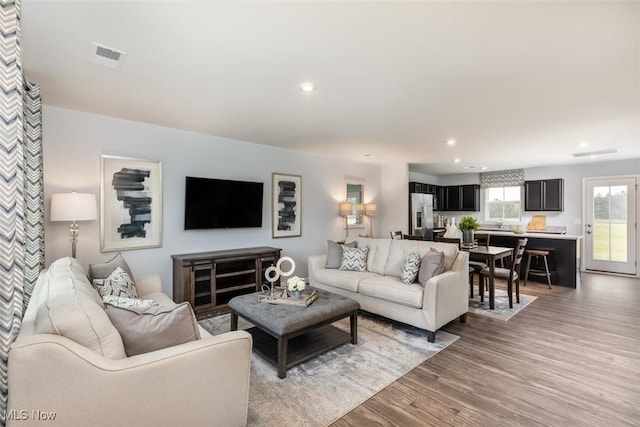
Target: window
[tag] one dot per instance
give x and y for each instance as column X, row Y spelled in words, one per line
column 503, row 203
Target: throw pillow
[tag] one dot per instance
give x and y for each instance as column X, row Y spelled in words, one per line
column 117, row 283
column 432, row 265
column 123, row 302
column 354, row 259
column 153, row 328
column 334, row 253
column 101, row 271
column 409, row 271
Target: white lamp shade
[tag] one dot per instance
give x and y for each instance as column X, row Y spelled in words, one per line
column 73, row 207
column 345, row 208
column 370, row 209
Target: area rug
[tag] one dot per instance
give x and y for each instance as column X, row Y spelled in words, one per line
column 502, row 310
column 323, row 389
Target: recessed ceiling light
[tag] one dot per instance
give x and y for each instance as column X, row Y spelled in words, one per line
column 583, row 143
column 451, row 142
column 307, row 87
column 456, row 160
column 474, row 167
column 484, row 168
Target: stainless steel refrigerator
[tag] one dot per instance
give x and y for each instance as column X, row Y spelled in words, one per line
column 421, row 220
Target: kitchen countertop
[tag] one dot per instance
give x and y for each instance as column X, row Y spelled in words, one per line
column 534, row 235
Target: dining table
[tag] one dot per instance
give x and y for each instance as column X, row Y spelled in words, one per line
column 490, row 254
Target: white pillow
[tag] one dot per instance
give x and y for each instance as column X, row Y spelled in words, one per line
column 409, row 271
column 354, row 259
column 123, row 302
column 118, row 283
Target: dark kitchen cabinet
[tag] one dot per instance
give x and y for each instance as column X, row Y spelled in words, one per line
column 470, row 198
column 544, row 195
column 462, row 198
column 419, row 187
column 439, row 199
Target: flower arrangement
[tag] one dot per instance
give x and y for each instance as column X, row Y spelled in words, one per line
column 295, row 284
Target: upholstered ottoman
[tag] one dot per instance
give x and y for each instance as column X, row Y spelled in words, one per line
column 287, row 335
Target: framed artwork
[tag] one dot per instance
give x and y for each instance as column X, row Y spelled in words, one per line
column 130, row 203
column 286, row 203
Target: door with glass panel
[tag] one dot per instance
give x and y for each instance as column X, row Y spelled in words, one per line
column 610, row 225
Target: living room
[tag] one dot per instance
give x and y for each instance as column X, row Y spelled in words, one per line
column 79, row 126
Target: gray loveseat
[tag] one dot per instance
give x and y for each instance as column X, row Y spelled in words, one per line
column 379, row 290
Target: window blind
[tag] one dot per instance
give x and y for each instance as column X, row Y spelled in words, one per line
column 506, row 178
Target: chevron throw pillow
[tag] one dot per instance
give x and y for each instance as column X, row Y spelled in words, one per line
column 118, row 283
column 409, row 271
column 354, row 259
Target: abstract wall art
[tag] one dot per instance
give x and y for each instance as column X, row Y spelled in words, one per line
column 286, row 202
column 130, row 203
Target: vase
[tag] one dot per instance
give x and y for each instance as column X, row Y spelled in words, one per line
column 467, row 237
column 295, row 294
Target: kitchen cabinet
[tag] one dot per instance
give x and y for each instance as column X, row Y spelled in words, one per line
column 439, row 199
column 419, row 187
column 461, row 198
column 544, row 195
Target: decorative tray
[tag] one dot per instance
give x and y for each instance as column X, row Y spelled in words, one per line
column 306, row 298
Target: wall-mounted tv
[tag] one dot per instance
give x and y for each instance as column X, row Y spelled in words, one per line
column 222, row 203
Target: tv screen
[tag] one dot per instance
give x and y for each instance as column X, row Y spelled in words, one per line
column 221, row 203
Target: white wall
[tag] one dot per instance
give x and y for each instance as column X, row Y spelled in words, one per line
column 395, row 199
column 73, row 142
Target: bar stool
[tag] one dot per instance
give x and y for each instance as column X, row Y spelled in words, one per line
column 537, row 272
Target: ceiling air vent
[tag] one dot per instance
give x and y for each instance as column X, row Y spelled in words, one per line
column 106, row 56
column 595, row 153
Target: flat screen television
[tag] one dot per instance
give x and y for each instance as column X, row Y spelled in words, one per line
column 221, row 203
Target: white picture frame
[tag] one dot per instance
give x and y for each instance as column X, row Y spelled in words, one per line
column 130, row 203
column 286, row 205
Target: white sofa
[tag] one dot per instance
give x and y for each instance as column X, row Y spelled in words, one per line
column 199, row 383
column 379, row 290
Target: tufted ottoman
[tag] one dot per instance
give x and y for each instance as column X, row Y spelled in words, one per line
column 287, row 335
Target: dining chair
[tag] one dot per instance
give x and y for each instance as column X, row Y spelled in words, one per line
column 483, row 240
column 412, row 237
column 396, row 235
column 456, row 241
column 509, row 274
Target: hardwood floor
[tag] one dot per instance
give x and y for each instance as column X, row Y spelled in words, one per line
column 572, row 357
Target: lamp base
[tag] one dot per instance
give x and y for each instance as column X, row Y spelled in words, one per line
column 73, row 232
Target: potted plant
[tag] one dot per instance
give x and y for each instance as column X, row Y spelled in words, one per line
column 468, row 225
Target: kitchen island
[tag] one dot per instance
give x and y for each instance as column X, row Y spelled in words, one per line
column 564, row 261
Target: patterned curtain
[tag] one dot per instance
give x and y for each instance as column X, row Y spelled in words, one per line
column 33, row 189
column 508, row 178
column 21, row 187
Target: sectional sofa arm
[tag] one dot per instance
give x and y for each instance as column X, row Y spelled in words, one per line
column 314, row 263
column 187, row 384
column 146, row 285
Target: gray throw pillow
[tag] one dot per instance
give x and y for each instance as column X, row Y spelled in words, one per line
column 334, row 253
column 153, row 328
column 409, row 271
column 354, row 259
column 102, row 271
column 432, row 264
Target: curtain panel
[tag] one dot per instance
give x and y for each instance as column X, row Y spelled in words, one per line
column 506, row 178
column 11, row 189
column 21, row 188
column 33, row 189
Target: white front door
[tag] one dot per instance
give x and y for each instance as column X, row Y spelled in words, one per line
column 610, row 225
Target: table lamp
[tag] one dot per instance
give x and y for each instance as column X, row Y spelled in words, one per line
column 370, row 210
column 73, row 207
column 345, row 209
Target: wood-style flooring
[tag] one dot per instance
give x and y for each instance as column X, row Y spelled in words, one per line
column 571, row 358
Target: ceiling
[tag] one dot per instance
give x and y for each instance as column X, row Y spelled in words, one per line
column 516, row 84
